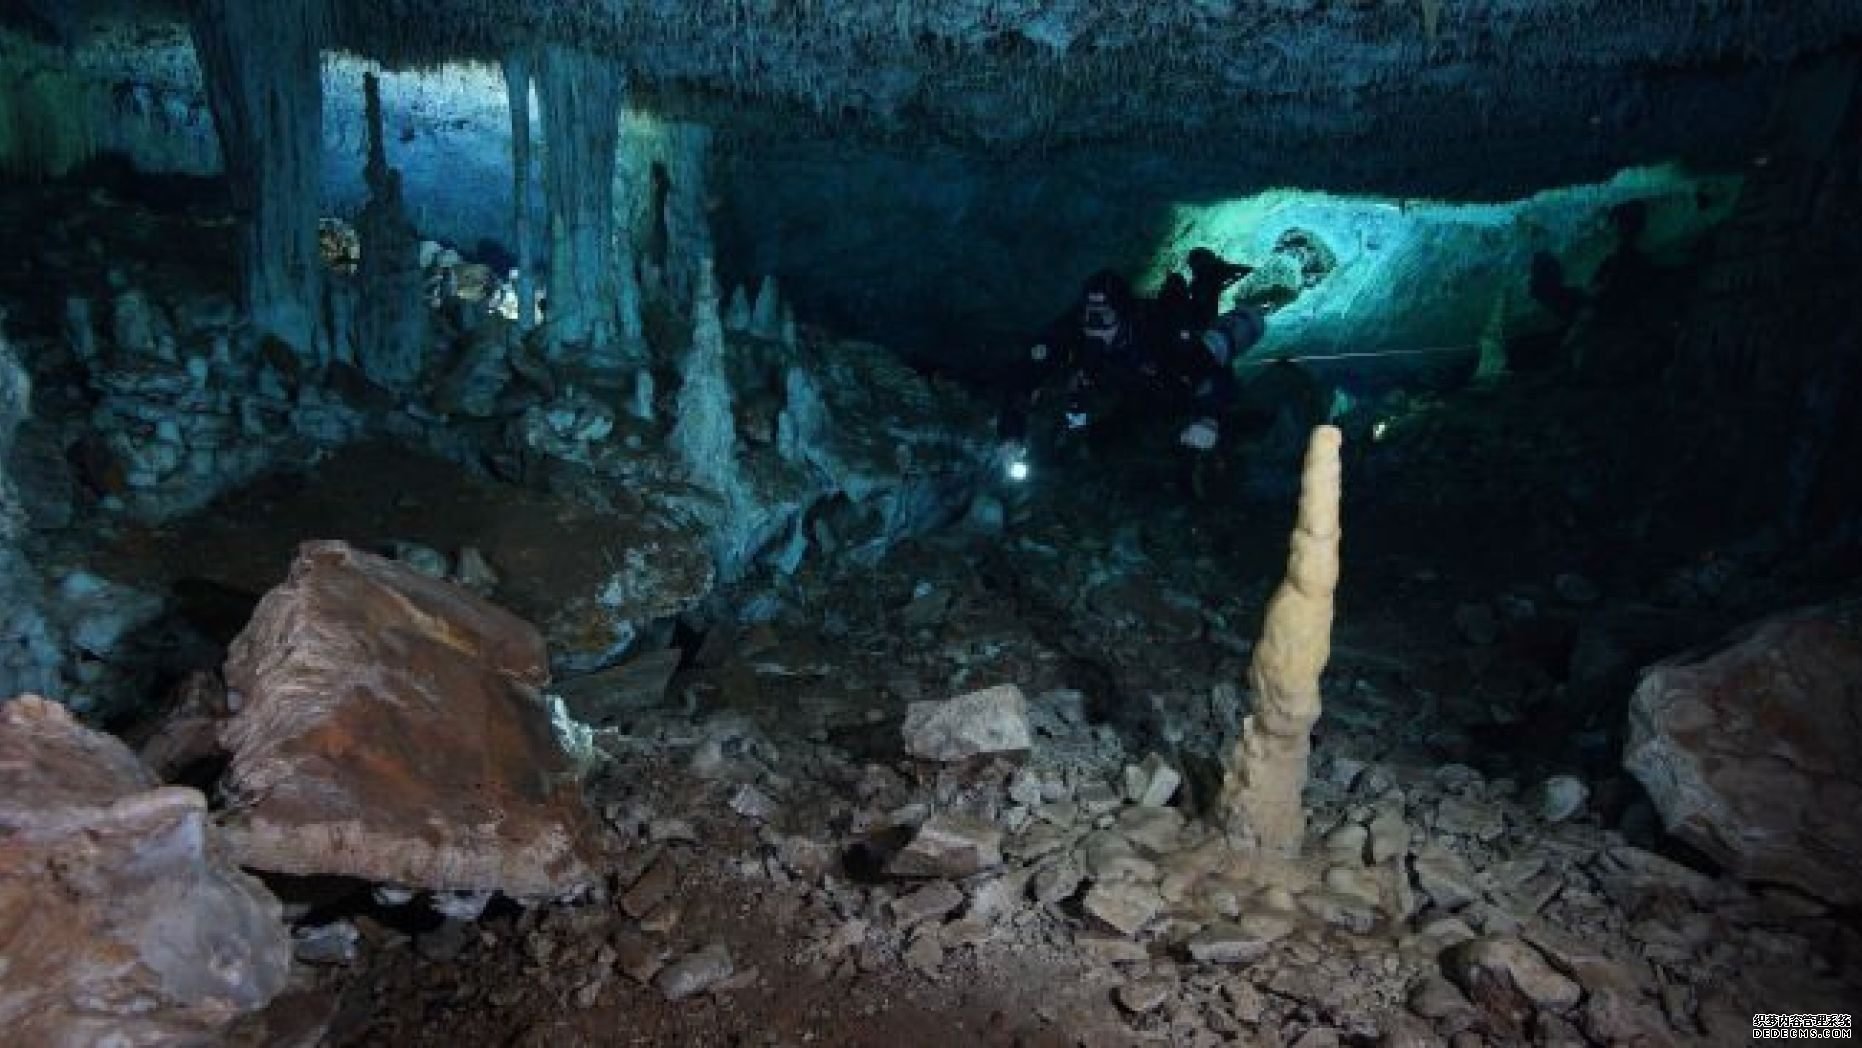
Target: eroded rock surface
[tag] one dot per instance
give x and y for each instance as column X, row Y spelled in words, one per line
column 1748, row 752
column 390, row 729
column 121, row 921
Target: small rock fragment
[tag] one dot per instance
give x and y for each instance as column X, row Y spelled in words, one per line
column 1560, row 797
column 994, row 720
column 694, row 973
column 1241, row 942
column 752, row 803
column 1146, row 994
column 1509, row 978
column 654, row 887
column 1152, row 783
column 1123, row 905
column 1109, row 949
column 325, row 944
column 949, row 845
column 931, row 901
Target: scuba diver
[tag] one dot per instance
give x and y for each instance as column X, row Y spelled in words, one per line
column 1626, row 331
column 1115, row 357
column 1210, row 275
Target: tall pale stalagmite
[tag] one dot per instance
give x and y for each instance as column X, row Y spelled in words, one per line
column 1267, row 772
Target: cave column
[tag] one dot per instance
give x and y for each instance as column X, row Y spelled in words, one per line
column 593, row 307
column 262, row 66
column 688, row 226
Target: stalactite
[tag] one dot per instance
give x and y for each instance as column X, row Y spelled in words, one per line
column 392, row 324
column 261, row 65
column 517, row 89
column 580, row 94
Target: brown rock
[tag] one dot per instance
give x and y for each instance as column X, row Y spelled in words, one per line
column 120, row 920
column 391, row 730
column 653, row 888
column 190, row 731
column 1749, row 752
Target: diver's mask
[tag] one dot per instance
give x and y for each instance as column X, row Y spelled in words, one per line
column 1099, row 319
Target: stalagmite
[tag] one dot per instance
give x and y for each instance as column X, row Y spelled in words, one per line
column 580, row 94
column 517, row 89
column 766, row 315
column 261, row 64
column 705, row 436
column 791, row 333
column 1267, row 771
column 392, row 326
column 737, row 312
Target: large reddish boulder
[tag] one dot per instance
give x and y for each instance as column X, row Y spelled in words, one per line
column 390, row 727
column 121, row 921
column 1749, row 751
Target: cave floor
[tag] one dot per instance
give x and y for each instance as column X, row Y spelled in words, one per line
column 766, row 781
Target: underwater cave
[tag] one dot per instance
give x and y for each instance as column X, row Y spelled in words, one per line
column 1023, row 522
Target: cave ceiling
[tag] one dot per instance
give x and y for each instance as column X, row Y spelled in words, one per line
column 1446, row 97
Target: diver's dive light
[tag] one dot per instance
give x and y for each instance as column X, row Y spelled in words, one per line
column 1017, row 468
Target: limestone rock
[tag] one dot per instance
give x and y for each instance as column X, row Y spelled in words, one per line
column 949, row 845
column 1509, row 979
column 1152, row 783
column 994, row 720
column 695, row 973
column 1355, row 882
column 1445, row 878
column 1469, row 818
column 1124, row 906
column 1749, row 751
column 1110, row 857
column 1109, row 949
column 1434, row 997
column 1145, row 994
column 1346, row 844
column 1155, row 831
column 1560, row 797
column 121, row 920
column 1402, row 1030
column 391, row 730
column 1390, row 836
column 1241, row 942
column 1342, row 911
column 1058, row 880
column 927, row 903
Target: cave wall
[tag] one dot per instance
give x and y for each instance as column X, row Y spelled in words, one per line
column 958, row 258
